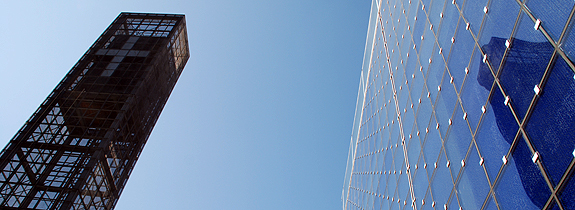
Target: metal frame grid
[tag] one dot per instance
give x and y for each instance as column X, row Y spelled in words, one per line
column 79, row 148
column 457, row 111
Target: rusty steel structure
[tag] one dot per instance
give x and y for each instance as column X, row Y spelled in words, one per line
column 80, row 146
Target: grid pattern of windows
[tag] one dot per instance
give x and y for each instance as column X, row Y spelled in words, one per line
column 465, row 104
column 79, row 148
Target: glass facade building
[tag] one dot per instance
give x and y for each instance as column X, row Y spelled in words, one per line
column 80, row 146
column 465, row 104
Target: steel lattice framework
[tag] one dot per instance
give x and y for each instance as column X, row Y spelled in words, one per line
column 79, row 148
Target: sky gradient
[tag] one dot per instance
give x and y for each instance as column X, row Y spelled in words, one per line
column 260, row 118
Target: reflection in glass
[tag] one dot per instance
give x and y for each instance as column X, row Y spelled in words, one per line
column 555, row 109
column 517, row 78
column 445, row 75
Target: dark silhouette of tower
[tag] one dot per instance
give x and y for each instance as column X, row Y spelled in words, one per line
column 79, row 148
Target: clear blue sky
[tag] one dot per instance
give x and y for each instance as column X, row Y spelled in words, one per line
column 260, row 118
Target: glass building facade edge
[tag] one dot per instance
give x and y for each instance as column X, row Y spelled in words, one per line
column 360, row 98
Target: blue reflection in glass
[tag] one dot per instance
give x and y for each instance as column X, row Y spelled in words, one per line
column 518, row 78
column 499, row 21
column 511, row 194
column 494, row 50
column 551, row 124
column 524, row 65
column 491, row 143
column 504, row 118
column 554, row 206
column 533, row 183
column 567, row 196
column 568, row 42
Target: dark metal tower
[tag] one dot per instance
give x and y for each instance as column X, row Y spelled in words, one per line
column 79, row 148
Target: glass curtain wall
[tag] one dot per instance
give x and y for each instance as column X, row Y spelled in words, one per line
column 465, row 105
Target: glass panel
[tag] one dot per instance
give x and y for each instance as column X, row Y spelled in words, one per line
column 420, row 26
column 427, row 51
column 475, row 90
column 567, row 196
column 499, row 22
column 405, row 45
column 417, row 88
column 433, row 11
column 408, row 120
column 408, row 202
column 554, row 205
column 403, row 187
column 380, row 162
column 389, row 160
column 453, row 204
column 428, row 200
column 425, row 2
column 411, row 66
column 420, row 182
column 555, row 109
column 441, row 184
column 385, row 204
column 391, row 186
column 458, row 141
column 447, row 28
column 553, row 14
column 398, row 159
column 568, row 42
column 445, row 104
column 377, row 202
column 423, row 116
column 410, row 12
column 473, row 13
column 521, row 185
column 414, row 149
column 403, row 97
column 473, row 186
column 385, row 135
column 496, row 133
column 431, row 148
column 524, row 65
column 491, row 204
column 460, row 54
column 433, row 79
